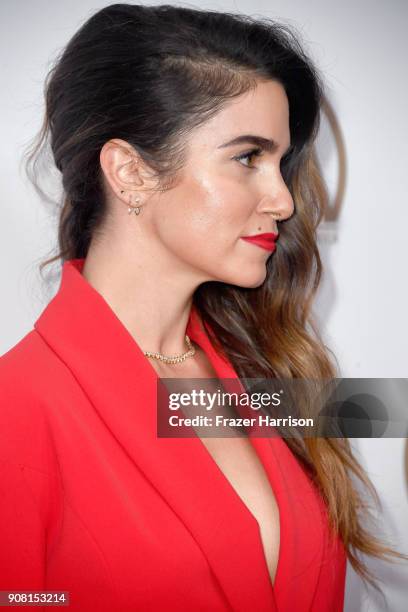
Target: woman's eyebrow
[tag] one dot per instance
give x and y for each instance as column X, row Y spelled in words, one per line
column 268, row 144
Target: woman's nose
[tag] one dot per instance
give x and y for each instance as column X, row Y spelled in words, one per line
column 278, row 200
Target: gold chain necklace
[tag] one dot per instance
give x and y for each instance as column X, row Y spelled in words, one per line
column 173, row 358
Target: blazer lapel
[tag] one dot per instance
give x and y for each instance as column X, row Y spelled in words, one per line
column 301, row 509
column 81, row 328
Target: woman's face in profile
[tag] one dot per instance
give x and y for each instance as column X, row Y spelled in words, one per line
column 219, row 199
column 224, row 192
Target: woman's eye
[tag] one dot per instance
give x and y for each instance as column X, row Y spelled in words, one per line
column 249, row 154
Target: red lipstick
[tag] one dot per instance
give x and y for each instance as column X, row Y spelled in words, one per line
column 265, row 241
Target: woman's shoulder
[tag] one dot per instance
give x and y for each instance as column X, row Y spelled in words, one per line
column 27, row 365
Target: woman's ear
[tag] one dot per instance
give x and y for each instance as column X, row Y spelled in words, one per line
column 123, row 168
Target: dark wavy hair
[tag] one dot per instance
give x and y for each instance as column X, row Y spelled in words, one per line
column 150, row 75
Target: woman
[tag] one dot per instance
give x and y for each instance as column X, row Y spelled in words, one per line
column 184, row 140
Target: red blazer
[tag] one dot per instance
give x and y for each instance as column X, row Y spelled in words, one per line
column 93, row 503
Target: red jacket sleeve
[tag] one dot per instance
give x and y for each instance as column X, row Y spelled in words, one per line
column 29, row 491
column 22, row 533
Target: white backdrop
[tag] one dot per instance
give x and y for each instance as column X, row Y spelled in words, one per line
column 361, row 47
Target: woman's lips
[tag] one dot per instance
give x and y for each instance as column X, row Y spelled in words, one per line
column 265, row 241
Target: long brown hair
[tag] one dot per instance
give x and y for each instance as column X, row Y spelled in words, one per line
column 149, row 75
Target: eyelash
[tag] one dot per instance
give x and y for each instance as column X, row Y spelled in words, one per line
column 257, row 152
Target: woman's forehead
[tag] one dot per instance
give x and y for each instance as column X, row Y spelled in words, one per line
column 263, row 111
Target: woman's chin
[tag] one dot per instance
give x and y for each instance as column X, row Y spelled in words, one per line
column 250, row 279
column 254, row 284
